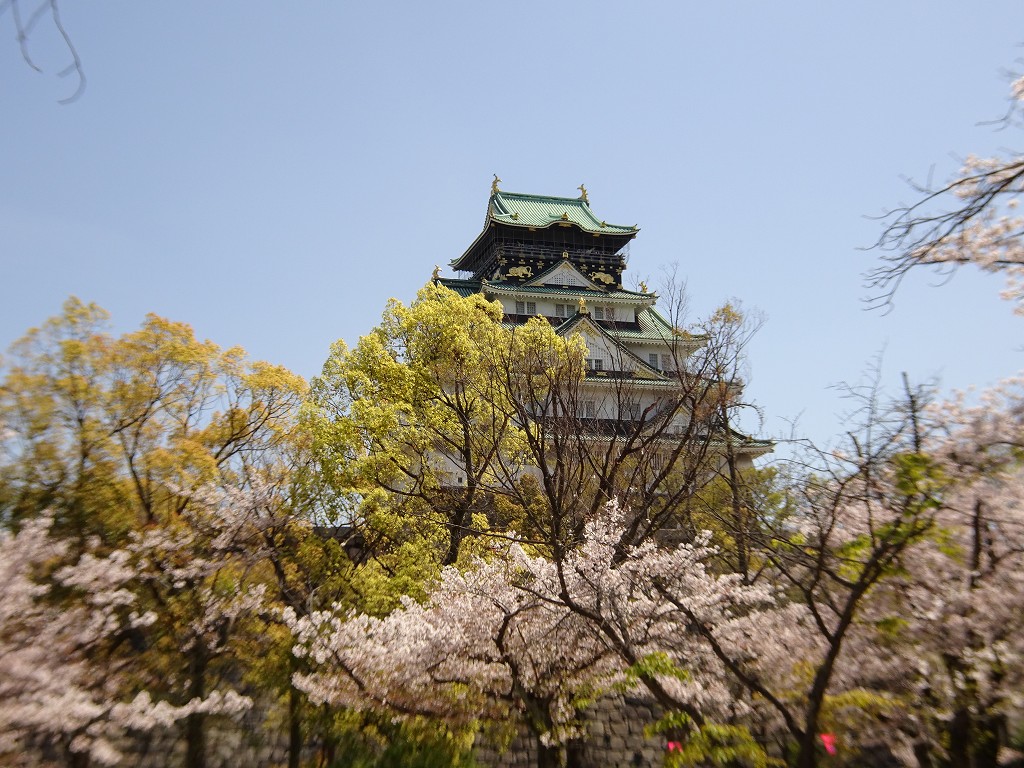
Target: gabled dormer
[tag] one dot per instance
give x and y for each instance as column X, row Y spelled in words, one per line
column 565, row 274
column 608, row 357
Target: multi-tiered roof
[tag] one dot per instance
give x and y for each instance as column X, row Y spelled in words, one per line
column 554, row 258
column 554, row 252
column 525, row 235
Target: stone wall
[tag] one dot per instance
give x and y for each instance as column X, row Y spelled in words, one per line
column 259, row 739
column 255, row 740
column 615, row 739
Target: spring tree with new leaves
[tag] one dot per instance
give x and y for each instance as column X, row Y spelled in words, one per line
column 444, row 422
column 412, row 404
column 157, row 449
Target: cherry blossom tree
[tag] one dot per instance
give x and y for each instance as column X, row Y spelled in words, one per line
column 953, row 614
column 971, row 220
column 524, row 635
column 63, row 687
column 785, row 671
column 198, row 579
column 183, row 461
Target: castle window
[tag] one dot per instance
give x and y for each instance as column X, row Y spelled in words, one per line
column 520, row 307
column 666, row 363
column 609, row 313
column 652, row 358
column 595, row 364
column 630, row 409
column 588, row 409
column 531, row 307
column 599, row 313
column 560, row 310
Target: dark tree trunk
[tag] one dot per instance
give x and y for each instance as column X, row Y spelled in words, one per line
column 195, row 724
column 329, row 743
column 549, row 757
column 574, row 754
column 923, row 753
column 959, row 733
column 77, row 759
column 294, row 727
column 457, row 526
column 988, row 733
column 807, row 755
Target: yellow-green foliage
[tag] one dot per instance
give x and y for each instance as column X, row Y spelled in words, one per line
column 365, row 740
column 430, row 385
column 710, row 744
column 115, row 432
column 855, row 710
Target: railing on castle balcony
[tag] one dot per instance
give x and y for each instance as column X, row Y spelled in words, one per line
column 517, row 250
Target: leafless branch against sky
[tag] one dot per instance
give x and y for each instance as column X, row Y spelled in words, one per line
column 26, row 19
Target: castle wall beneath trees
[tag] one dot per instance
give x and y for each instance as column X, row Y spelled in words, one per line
column 615, row 739
column 259, row 739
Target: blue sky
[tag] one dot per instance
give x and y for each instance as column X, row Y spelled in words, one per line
column 272, row 173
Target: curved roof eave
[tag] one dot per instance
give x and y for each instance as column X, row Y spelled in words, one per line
column 573, row 323
column 540, row 212
column 543, row 211
column 521, row 289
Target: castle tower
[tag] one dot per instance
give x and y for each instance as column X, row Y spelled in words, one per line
column 552, row 257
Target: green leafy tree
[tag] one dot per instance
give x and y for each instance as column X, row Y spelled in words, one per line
column 410, row 420
column 171, row 451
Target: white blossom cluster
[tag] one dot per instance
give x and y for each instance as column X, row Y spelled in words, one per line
column 59, row 684
column 527, row 636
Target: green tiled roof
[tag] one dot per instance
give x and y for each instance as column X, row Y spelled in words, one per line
column 462, row 287
column 649, row 326
column 645, row 371
column 653, row 325
column 540, row 211
column 521, row 289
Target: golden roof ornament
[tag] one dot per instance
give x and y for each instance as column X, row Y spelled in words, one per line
column 494, row 184
column 583, row 306
column 437, row 273
column 565, row 216
column 583, row 194
column 643, row 287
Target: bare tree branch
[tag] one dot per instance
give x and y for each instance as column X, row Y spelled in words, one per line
column 23, row 31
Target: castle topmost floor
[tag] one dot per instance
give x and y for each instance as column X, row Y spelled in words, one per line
column 528, row 234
